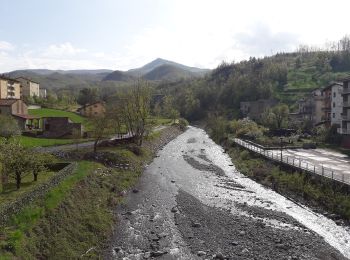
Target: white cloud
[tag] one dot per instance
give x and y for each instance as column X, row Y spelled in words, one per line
column 6, row 46
column 62, row 50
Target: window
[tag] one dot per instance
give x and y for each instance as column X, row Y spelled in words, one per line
column 333, row 104
column 333, row 115
column 334, row 94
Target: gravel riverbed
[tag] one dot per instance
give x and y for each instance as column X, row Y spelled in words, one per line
column 191, row 203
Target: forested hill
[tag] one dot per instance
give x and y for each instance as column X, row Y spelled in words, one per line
column 285, row 76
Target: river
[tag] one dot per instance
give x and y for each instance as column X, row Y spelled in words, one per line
column 191, row 203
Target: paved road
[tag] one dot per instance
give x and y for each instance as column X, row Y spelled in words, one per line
column 328, row 159
column 191, row 203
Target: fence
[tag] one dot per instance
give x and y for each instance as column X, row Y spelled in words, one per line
column 299, row 163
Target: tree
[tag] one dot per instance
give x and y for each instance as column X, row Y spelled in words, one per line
column 174, row 114
column 87, row 96
column 37, row 163
column 280, row 115
column 100, row 128
column 15, row 161
column 8, row 127
column 134, row 107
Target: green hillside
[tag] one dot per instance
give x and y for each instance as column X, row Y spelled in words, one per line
column 47, row 112
column 285, row 76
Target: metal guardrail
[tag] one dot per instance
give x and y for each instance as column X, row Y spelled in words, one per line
column 296, row 162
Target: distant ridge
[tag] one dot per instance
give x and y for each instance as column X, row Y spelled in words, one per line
column 118, row 76
column 159, row 62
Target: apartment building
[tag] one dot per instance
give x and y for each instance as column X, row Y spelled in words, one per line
column 333, row 104
column 9, row 88
column 345, row 122
column 29, row 88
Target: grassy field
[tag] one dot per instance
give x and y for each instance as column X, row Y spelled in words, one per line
column 31, row 142
column 47, row 112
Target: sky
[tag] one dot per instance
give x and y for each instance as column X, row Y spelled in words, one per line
column 125, row 34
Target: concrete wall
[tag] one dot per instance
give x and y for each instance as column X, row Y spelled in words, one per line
column 7, row 210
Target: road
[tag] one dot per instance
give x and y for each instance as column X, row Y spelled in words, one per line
column 191, row 203
column 330, row 161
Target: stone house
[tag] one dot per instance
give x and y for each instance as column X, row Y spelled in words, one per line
column 19, row 110
column 9, row 88
column 29, row 88
column 59, row 127
column 255, row 109
column 95, row 109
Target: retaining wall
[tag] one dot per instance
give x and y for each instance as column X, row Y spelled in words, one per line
column 9, row 209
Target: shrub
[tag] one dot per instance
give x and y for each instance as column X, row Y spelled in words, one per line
column 183, row 123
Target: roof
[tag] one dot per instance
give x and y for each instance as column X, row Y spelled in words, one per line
column 8, row 78
column 332, row 84
column 347, row 78
column 7, row 102
column 28, row 79
column 26, row 116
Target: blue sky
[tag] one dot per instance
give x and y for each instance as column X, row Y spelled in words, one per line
column 114, row 34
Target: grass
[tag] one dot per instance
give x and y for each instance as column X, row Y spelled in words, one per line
column 10, row 192
column 49, row 112
column 22, row 223
column 77, row 215
column 31, row 142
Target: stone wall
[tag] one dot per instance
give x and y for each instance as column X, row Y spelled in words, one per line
column 9, row 209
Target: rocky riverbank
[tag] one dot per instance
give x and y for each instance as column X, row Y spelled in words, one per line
column 191, row 203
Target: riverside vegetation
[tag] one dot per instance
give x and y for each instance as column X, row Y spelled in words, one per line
column 76, row 218
column 320, row 194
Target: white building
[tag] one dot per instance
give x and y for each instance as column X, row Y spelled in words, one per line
column 337, row 104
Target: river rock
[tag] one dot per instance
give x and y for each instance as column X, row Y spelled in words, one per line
column 196, row 225
column 157, row 253
column 201, row 253
column 219, row 256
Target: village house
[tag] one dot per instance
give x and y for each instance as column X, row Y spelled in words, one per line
column 19, row 110
column 29, row 88
column 254, row 109
column 9, row 88
column 95, row 109
column 311, row 108
column 61, row 127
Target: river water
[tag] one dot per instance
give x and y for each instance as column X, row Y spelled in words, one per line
column 194, row 164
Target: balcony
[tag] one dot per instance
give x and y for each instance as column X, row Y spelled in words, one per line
column 346, row 91
column 346, row 104
column 345, row 117
column 343, row 131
